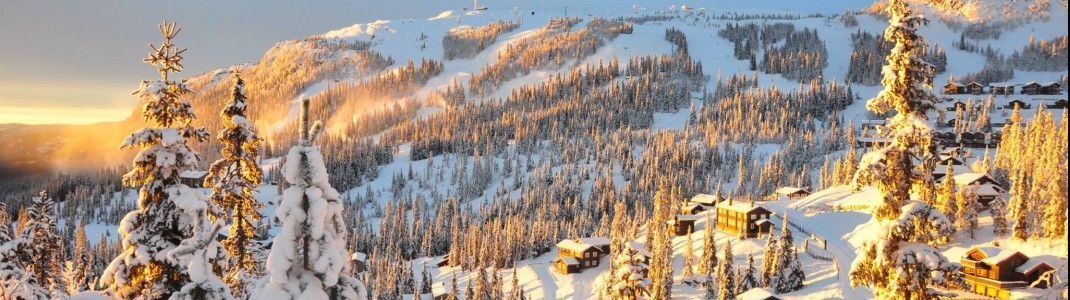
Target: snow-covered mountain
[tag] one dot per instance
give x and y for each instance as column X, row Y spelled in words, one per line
column 542, row 117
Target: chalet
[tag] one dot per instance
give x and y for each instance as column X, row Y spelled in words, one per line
column 994, row 271
column 600, row 243
column 988, row 193
column 358, row 260
column 1058, row 104
column 1017, row 102
column 744, row 219
column 975, row 88
column 1001, row 88
column 1031, row 88
column 692, row 209
column 193, row 179
column 575, row 255
column 1051, row 88
column 972, row 139
column 952, row 160
column 682, row 224
column 757, row 294
column 953, row 88
column 792, row 193
column 940, row 171
column 953, row 151
column 995, row 138
column 439, row 291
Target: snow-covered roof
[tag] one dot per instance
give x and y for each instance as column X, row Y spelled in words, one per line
column 989, row 190
column 995, row 255
column 706, row 199
column 692, row 206
column 573, row 245
column 788, row 190
column 970, row 178
column 439, row 289
column 568, row 260
column 757, row 294
column 740, row 206
column 358, row 256
column 763, row 221
column 1031, row 265
column 955, row 83
column 687, row 217
column 192, row 174
column 1050, row 83
column 975, row 83
column 1001, row 84
column 594, row 241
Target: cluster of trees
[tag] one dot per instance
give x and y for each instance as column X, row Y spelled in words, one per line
column 1043, row 55
column 465, row 42
column 867, row 58
column 554, row 45
column 1033, row 157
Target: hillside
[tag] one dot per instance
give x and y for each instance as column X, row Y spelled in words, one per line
column 497, row 133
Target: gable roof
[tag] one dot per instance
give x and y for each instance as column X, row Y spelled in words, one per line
column 705, row 199
column 573, row 245
column 568, row 260
column 757, row 294
column 1031, row 265
column 952, row 83
column 788, row 190
column 970, row 178
column 741, row 206
column 594, row 241
column 994, row 255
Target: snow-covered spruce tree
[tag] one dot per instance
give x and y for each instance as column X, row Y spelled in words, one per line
column 790, row 276
column 769, row 261
column 15, row 281
column 726, row 277
column 748, row 280
column 966, row 221
column 946, row 196
column 708, row 262
column 629, row 279
column 998, row 208
column 660, row 246
column 167, row 211
column 689, row 258
column 309, row 259
column 898, row 262
column 233, row 179
column 41, row 248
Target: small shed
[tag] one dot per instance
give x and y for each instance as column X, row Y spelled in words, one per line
column 192, row 178
column 792, row 193
column 359, row 261
column 1058, row 104
column 567, row 265
column 682, row 224
column 692, row 209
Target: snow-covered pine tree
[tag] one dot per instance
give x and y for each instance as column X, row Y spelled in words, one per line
column 748, row 280
column 425, row 280
column 707, row 264
column 15, row 281
column 1019, row 206
column 769, row 261
column 790, row 276
column 726, row 280
column 41, row 249
column 946, row 196
column 165, row 206
column 998, row 209
column 968, row 208
column 689, row 257
column 233, row 179
column 80, row 262
column 308, row 258
column 1054, row 224
column 630, row 280
column 198, row 253
column 660, row 246
column 897, row 262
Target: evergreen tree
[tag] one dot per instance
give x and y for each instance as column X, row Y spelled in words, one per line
column 946, row 197
column 1055, row 213
column 769, row 261
column 967, row 212
column 308, row 257
column 708, row 262
column 630, row 280
column 998, row 208
column 425, row 280
column 166, row 208
column 748, row 280
column 1019, row 206
column 897, row 262
column 689, row 256
column 726, row 276
column 233, row 179
column 41, row 251
column 790, row 276
column 15, row 281
column 661, row 246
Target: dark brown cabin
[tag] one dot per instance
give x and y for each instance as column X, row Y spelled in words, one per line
column 994, row 271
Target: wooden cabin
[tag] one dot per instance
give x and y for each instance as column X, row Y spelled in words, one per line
column 682, row 224
column 1001, row 88
column 969, row 178
column 953, row 88
column 706, row 200
column 1058, row 104
column 994, row 271
column 757, row 294
column 1031, row 88
column 1017, row 102
column 975, row 88
column 193, row 179
column 575, row 255
column 987, row 193
column 692, row 209
column 1051, row 88
column 792, row 193
column 958, row 105
column 743, row 218
column 952, row 160
column 973, row 139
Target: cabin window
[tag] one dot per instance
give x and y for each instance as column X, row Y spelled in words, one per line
column 969, row 271
column 982, row 272
column 753, row 217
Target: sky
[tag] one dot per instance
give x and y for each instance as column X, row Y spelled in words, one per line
column 76, row 61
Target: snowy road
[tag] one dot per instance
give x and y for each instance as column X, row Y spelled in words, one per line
column 845, row 256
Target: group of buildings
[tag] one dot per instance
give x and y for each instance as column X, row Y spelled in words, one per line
column 1003, row 88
